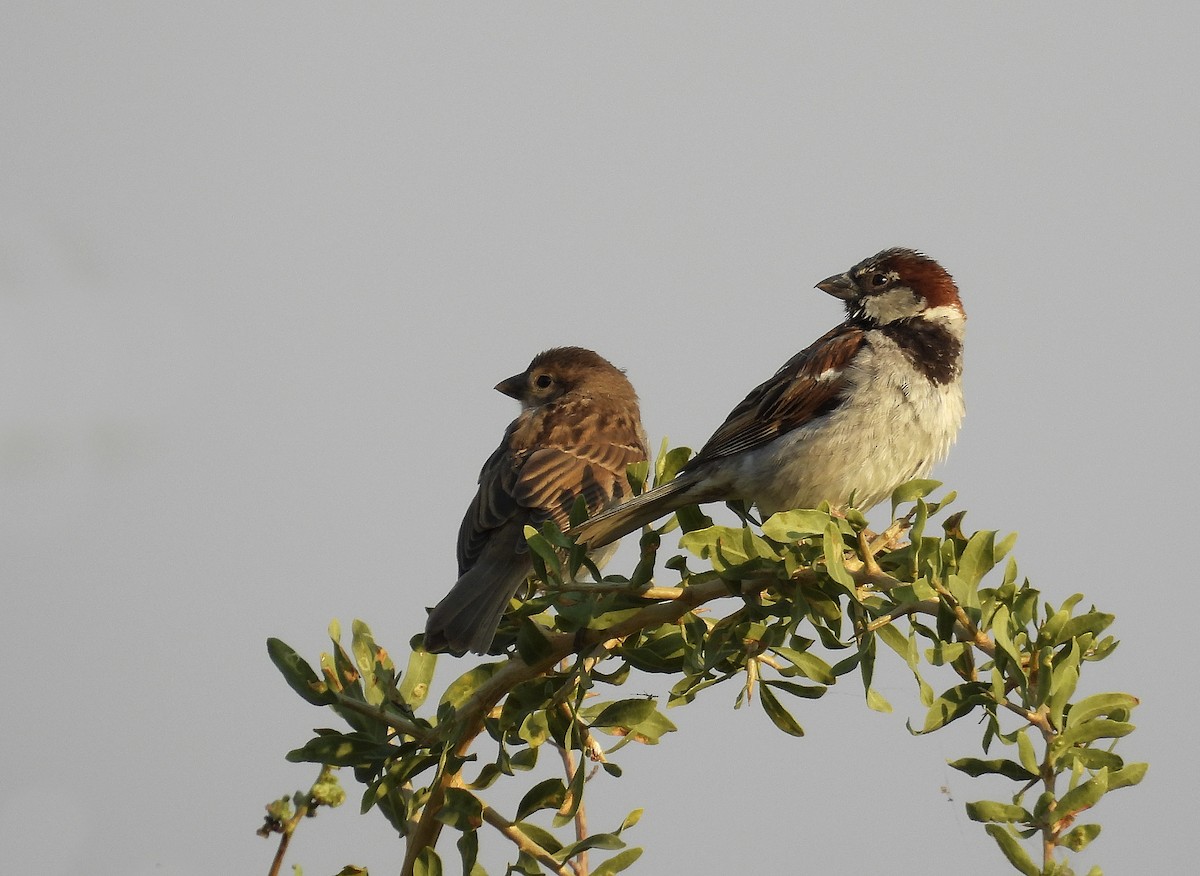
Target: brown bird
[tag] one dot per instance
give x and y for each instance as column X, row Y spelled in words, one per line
column 578, row 431
column 873, row 403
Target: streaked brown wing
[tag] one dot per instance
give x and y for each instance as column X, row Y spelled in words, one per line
column 553, row 477
column 539, row 485
column 808, row 386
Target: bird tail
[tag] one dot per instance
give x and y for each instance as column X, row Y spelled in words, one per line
column 467, row 617
column 610, row 525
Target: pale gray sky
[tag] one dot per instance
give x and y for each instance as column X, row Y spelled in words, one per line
column 261, row 264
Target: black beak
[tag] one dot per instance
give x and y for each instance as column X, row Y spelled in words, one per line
column 839, row 286
column 512, row 386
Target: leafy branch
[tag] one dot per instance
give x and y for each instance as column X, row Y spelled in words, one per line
column 286, row 813
column 799, row 592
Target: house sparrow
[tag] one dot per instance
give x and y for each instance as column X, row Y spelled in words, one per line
column 873, row 403
column 578, row 431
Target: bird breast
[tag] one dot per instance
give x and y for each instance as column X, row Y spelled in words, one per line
column 894, row 424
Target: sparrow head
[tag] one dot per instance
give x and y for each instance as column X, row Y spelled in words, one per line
column 892, row 285
column 566, row 370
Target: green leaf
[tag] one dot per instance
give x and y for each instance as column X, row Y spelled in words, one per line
column 1130, row 774
column 532, row 644
column 535, row 729
column 541, row 836
column 544, row 550
column 911, row 491
column 727, row 547
column 952, row 705
column 1100, row 704
column 1045, row 676
column 636, row 474
column 618, row 862
column 779, row 716
column 1078, row 839
column 594, row 841
column 622, row 713
column 466, row 684
column 1016, row 855
column 669, row 462
column 414, row 685
column 461, row 810
column 428, row 863
column 945, row 652
column 548, row 794
column 630, row 820
column 1052, row 628
column 468, row 848
column 973, row 766
column 989, row 810
column 1093, row 622
column 966, row 595
column 691, row 518
column 637, row 719
column 1003, row 636
column 574, row 797
column 876, row 702
column 298, row 674
column 1026, row 753
column 1083, row 796
column 525, row 759
column 373, row 662
column 899, row 643
column 342, row 749
column 1063, row 679
column 805, row 691
column 833, row 546
column 1090, row 731
column 789, row 526
column 978, row 557
column 810, row 665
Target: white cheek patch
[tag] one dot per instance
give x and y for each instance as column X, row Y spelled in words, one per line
column 892, row 305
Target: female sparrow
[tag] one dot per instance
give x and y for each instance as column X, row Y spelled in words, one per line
column 578, row 431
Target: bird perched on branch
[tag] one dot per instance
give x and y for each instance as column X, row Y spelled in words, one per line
column 578, row 431
column 871, row 404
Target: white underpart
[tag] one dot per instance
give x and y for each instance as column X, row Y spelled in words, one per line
column 895, row 425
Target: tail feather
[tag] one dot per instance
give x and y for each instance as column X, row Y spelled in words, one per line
column 467, row 617
column 617, row 522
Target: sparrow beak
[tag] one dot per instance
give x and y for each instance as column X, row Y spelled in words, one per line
column 512, row 386
column 839, row 286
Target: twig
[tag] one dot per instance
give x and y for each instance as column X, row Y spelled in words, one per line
column 580, row 862
column 601, row 588
column 468, row 722
column 704, row 587
column 523, row 842
column 399, row 723
column 287, row 828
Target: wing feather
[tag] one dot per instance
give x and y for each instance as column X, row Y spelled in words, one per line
column 809, row 385
column 541, row 484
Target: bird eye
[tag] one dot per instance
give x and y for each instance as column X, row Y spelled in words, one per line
column 879, row 279
column 543, row 381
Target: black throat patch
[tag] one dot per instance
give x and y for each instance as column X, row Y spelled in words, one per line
column 929, row 346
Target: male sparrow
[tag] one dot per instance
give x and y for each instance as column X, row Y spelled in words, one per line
column 873, row 403
column 578, row 430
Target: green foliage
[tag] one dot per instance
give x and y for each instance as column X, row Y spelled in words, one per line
column 808, row 598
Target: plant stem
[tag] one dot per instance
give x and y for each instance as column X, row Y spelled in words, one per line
column 289, row 827
column 523, row 842
column 580, row 862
